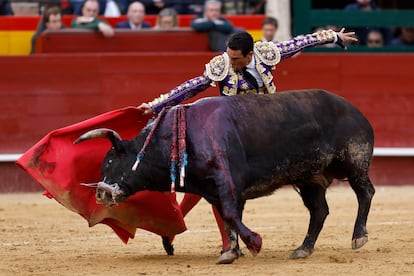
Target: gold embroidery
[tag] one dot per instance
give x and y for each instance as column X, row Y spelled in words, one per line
column 261, row 90
column 267, row 52
column 324, row 36
column 218, row 67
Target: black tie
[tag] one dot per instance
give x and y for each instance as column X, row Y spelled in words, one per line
column 250, row 79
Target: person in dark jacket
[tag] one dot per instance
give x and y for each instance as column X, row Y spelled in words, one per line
column 136, row 14
column 89, row 20
column 212, row 19
column 51, row 21
column 212, row 22
column 362, row 32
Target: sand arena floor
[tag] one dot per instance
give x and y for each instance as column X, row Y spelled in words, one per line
column 40, row 237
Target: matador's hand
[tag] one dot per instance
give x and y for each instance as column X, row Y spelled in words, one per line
column 145, row 108
column 345, row 37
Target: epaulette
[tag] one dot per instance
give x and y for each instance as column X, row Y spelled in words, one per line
column 267, row 52
column 218, row 67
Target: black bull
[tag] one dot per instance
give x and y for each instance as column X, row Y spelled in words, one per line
column 244, row 147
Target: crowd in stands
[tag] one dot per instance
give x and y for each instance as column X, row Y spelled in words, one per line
column 377, row 36
column 209, row 18
column 211, row 21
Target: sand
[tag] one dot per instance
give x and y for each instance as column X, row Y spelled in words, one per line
column 40, row 237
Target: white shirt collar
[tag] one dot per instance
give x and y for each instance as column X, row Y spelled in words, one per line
column 251, row 68
column 252, row 64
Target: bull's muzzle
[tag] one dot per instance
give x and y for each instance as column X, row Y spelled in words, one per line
column 109, row 194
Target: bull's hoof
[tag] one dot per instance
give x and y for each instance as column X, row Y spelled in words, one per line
column 168, row 247
column 227, row 257
column 358, row 243
column 238, row 251
column 301, row 253
column 255, row 244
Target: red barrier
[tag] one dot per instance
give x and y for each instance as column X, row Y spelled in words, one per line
column 87, row 41
column 44, row 92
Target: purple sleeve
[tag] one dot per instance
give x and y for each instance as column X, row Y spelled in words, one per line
column 181, row 93
column 298, row 43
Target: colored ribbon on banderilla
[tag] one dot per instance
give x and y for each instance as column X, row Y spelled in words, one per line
column 179, row 156
column 148, row 139
column 178, row 146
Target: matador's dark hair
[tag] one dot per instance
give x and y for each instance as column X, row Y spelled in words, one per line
column 241, row 41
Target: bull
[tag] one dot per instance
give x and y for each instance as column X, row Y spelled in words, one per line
column 247, row 146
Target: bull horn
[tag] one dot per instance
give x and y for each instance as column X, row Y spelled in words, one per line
column 99, row 133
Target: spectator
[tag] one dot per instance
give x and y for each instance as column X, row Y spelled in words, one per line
column 76, row 6
column 269, row 29
column 89, row 20
column 375, row 39
column 51, row 21
column 212, row 19
column 406, row 37
column 215, row 24
column 167, row 19
column 5, row 8
column 136, row 14
column 362, row 32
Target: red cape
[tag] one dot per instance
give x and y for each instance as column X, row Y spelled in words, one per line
column 60, row 167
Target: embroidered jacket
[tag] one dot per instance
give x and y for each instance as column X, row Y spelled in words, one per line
column 218, row 70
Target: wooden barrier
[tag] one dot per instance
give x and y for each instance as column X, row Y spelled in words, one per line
column 47, row 91
column 16, row 31
column 87, row 41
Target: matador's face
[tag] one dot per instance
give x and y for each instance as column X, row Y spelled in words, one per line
column 237, row 60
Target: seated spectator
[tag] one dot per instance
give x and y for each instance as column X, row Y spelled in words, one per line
column 215, row 24
column 167, row 19
column 212, row 19
column 136, row 14
column 269, row 29
column 362, row 32
column 5, row 8
column 375, row 39
column 89, row 20
column 51, row 21
column 76, row 6
column 406, row 37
